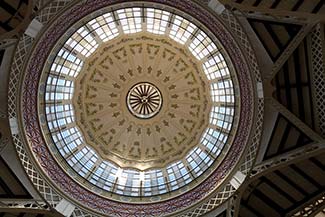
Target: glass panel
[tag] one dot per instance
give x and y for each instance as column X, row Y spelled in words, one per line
column 215, row 67
column 214, row 140
column 181, row 30
column 82, row 42
column 223, row 91
column 157, row 20
column 198, row 161
column 105, row 27
column 130, row 19
column 202, row 46
column 222, row 117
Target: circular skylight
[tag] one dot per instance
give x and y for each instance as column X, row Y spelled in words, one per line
column 113, row 171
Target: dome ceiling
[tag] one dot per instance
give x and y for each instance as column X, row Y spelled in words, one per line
column 140, row 105
column 143, row 107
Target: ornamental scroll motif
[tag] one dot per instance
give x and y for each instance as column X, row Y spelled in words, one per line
column 100, row 101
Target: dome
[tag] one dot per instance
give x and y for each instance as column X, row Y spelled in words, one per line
column 139, row 105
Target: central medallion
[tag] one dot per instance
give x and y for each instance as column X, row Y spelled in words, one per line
column 144, row 100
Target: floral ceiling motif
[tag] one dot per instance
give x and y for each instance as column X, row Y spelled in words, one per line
column 101, row 110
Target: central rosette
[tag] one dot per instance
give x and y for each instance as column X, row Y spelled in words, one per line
column 142, row 101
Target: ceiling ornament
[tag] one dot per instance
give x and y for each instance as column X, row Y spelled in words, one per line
column 144, row 100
